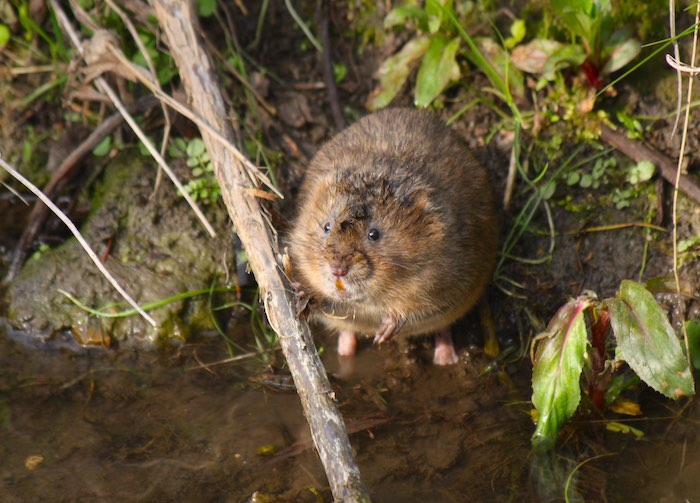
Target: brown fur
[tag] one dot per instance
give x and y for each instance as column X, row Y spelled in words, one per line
column 403, row 173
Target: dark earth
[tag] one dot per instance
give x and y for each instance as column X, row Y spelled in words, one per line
column 163, row 417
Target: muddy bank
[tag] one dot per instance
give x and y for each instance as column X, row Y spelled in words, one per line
column 152, row 244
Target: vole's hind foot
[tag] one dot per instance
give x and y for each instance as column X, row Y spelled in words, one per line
column 445, row 353
column 347, row 343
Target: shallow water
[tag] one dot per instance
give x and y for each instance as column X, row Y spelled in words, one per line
column 157, row 426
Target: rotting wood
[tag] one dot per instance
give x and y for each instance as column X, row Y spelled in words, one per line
column 328, row 431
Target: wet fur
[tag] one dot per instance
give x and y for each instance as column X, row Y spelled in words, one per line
column 402, row 172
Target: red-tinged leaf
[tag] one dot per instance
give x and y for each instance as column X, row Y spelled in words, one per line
column 543, row 56
column 620, row 54
column 646, row 341
column 556, row 388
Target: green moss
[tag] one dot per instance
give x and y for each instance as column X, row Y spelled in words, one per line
column 648, row 20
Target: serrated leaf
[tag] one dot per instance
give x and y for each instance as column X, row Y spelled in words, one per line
column 438, row 69
column 556, row 389
column 395, row 70
column 646, row 341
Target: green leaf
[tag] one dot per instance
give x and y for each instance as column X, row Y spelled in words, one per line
column 618, row 51
column 206, row 7
column 499, row 60
column 693, row 328
column 103, row 148
column 573, row 178
column 437, row 10
column 646, row 341
column 195, row 148
column 438, row 69
column 399, row 15
column 517, row 33
column 4, row 35
column 340, row 71
column 641, row 172
column 556, row 388
column 395, row 70
column 586, row 180
column 544, row 56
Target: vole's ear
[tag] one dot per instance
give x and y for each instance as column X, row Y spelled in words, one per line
column 417, row 199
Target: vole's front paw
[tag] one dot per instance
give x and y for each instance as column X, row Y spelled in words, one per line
column 389, row 328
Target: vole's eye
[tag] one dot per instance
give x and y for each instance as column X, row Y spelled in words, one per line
column 327, row 227
column 373, row 235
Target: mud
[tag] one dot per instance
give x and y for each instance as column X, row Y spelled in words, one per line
column 153, row 245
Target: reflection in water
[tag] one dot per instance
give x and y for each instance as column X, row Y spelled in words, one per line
column 144, row 426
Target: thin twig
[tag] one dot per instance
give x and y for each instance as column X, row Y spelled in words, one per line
column 71, row 226
column 234, row 71
column 638, row 151
column 299, row 21
column 154, row 75
column 510, row 180
column 253, row 173
column 677, row 54
column 107, row 89
column 328, row 68
column 38, row 215
column 681, row 157
column 178, row 22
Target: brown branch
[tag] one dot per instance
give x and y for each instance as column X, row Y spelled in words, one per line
column 178, row 23
column 328, row 75
column 638, row 151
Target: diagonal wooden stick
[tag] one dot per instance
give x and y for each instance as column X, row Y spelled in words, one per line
column 317, row 398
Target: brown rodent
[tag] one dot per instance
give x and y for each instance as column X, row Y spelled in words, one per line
column 396, row 230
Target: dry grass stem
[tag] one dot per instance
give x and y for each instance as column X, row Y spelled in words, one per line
column 102, row 84
column 681, row 158
column 252, row 171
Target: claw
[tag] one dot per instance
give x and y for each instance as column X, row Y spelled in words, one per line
column 302, row 299
column 389, row 328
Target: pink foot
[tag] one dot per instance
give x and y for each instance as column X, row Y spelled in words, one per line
column 444, row 349
column 347, row 343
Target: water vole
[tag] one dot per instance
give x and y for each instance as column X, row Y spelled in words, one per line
column 396, row 230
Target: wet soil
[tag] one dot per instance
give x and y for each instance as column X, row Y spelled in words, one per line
column 170, row 424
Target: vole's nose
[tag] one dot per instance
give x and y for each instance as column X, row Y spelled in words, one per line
column 339, row 270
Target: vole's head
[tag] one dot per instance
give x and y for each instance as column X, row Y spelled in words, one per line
column 363, row 237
